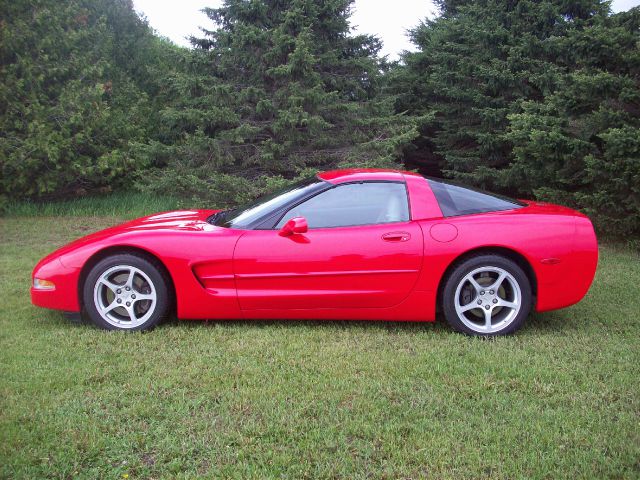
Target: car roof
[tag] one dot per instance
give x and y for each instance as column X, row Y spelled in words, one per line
column 363, row 174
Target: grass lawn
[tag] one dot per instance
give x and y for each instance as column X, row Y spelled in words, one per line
column 290, row 399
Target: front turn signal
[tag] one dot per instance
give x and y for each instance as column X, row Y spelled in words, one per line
column 40, row 284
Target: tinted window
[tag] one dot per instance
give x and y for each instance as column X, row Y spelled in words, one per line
column 457, row 200
column 354, row 204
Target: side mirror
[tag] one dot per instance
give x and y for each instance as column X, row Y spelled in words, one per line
column 295, row 225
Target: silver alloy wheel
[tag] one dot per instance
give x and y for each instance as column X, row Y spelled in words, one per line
column 488, row 299
column 124, row 296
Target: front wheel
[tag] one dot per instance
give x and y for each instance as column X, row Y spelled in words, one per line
column 126, row 292
column 486, row 295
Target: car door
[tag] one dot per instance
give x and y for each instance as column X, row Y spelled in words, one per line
column 361, row 251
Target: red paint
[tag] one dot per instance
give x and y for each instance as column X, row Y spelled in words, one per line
column 443, row 232
column 364, row 174
column 388, row 272
column 396, row 237
column 346, row 267
column 550, row 261
column 293, row 226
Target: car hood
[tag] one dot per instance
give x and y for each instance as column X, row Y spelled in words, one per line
column 179, row 220
column 191, row 220
column 175, row 220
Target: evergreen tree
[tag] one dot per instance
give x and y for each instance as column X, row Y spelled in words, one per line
column 530, row 97
column 580, row 145
column 277, row 87
column 74, row 93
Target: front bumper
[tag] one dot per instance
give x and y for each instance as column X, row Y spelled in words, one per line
column 65, row 294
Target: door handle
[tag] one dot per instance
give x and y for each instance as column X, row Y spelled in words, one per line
column 396, row 236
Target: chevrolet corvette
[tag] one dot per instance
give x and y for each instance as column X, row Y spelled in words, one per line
column 347, row 244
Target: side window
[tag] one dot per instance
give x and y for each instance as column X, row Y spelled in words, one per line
column 456, row 200
column 354, row 204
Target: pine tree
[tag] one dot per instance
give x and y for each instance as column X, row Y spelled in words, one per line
column 74, row 88
column 580, row 145
column 276, row 87
column 527, row 97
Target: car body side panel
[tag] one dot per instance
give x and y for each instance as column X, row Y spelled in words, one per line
column 579, row 272
column 542, row 236
column 422, row 201
column 412, row 308
column 344, row 267
column 197, row 256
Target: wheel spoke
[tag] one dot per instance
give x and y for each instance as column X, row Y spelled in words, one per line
column 487, row 318
column 496, row 285
column 109, row 307
column 144, row 296
column 506, row 304
column 478, row 288
column 110, row 285
column 467, row 307
column 131, row 312
column 132, row 274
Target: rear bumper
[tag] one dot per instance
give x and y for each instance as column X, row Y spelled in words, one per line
column 577, row 276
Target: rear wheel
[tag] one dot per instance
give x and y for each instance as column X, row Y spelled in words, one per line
column 126, row 292
column 487, row 295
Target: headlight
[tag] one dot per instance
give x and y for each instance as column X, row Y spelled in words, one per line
column 40, row 284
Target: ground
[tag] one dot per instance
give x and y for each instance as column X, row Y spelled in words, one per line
column 290, row 399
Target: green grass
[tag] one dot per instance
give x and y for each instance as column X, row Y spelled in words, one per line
column 125, row 204
column 291, row 399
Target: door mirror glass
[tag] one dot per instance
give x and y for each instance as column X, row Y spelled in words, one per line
column 294, row 225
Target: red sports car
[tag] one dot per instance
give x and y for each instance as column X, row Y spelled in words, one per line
column 346, row 244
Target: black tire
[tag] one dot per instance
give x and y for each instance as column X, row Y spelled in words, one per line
column 148, row 279
column 459, row 293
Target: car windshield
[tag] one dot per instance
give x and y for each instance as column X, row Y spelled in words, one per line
column 248, row 215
